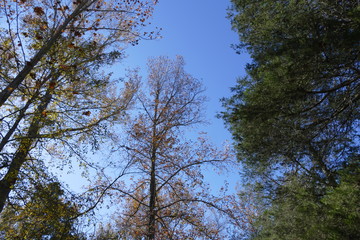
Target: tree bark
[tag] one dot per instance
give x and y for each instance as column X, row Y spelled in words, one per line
column 152, row 204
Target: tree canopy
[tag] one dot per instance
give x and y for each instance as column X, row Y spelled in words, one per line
column 295, row 116
column 54, row 93
column 298, row 106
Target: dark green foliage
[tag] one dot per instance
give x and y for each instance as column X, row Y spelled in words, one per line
column 303, row 213
column 295, row 117
column 301, row 98
column 299, row 106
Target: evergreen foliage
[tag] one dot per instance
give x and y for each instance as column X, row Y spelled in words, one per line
column 295, row 116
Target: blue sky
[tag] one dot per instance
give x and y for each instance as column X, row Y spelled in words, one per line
column 200, row 32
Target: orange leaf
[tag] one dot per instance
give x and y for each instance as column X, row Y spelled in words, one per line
column 39, row 11
column 52, row 85
column 86, row 113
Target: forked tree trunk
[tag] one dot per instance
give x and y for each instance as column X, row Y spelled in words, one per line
column 8, row 181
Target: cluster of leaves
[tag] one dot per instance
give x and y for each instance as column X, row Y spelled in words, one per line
column 295, row 116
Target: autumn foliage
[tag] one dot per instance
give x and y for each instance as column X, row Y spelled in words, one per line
column 52, row 90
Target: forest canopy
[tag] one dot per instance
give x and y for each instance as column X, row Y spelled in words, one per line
column 136, row 142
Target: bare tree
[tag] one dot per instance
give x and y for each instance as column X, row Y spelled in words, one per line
column 168, row 198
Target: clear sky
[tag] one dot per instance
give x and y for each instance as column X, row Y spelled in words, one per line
column 200, row 32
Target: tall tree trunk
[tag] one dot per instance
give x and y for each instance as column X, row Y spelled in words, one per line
column 10, row 178
column 152, row 205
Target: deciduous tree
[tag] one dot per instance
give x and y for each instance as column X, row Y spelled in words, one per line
column 168, row 198
column 61, row 97
column 35, row 27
